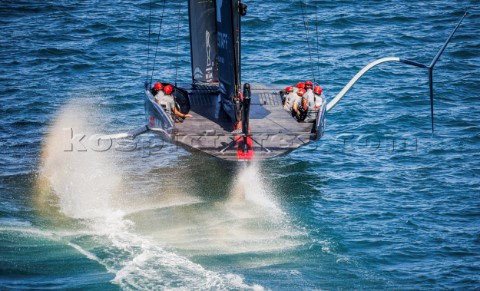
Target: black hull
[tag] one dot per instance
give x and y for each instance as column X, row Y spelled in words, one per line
column 273, row 131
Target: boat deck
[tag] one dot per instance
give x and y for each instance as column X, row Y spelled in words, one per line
column 273, row 130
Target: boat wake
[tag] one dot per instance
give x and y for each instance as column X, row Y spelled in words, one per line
column 148, row 233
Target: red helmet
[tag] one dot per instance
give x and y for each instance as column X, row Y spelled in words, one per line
column 158, row 86
column 300, row 85
column 289, row 89
column 300, row 92
column 318, row 90
column 309, row 84
column 168, row 89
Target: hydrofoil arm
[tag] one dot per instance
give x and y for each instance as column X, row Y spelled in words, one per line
column 430, row 67
column 130, row 134
column 350, row 84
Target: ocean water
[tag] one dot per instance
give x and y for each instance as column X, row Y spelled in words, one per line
column 379, row 203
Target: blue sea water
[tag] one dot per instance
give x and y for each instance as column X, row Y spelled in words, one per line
column 378, row 203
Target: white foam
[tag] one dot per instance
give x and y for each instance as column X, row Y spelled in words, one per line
column 249, row 221
column 89, row 187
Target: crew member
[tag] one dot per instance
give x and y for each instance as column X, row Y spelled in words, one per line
column 314, row 104
column 299, row 108
column 309, row 94
column 319, row 97
column 168, row 103
column 157, row 91
column 289, row 96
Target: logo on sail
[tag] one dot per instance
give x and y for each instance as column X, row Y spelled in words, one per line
column 198, row 74
column 208, row 68
column 208, row 48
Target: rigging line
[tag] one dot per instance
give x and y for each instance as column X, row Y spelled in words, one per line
column 308, row 40
column 158, row 39
column 318, row 46
column 149, row 32
column 178, row 35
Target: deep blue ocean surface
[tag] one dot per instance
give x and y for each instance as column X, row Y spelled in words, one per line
column 378, row 203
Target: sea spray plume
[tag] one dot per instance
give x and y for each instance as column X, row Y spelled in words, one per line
column 241, row 218
column 250, row 186
column 83, row 180
column 88, row 186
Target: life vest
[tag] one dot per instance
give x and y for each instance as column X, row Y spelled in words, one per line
column 304, row 104
column 303, row 108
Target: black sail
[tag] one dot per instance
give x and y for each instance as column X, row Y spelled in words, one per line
column 203, row 41
column 228, row 29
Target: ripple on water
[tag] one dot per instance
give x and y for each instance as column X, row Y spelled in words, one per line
column 378, row 203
